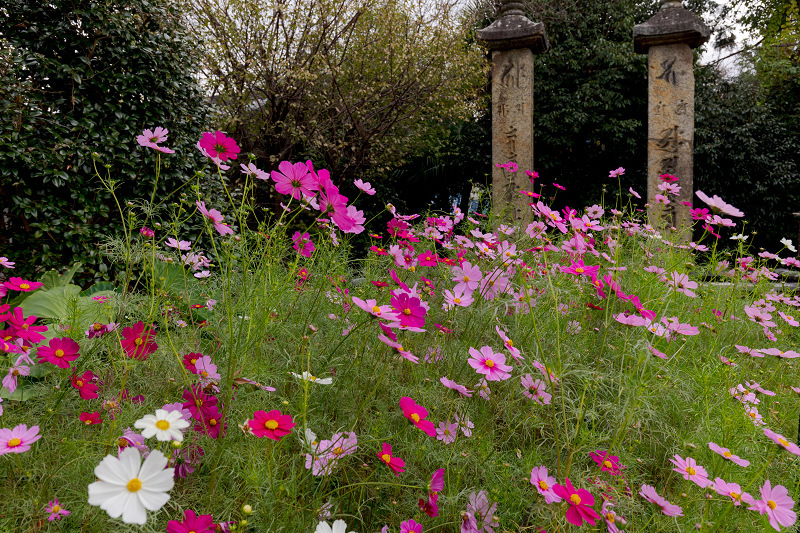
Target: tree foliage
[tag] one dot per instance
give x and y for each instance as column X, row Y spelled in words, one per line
column 79, row 77
column 355, row 85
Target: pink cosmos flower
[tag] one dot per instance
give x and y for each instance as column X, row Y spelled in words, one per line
column 607, row 462
column 180, row 245
column 580, row 504
column 251, row 170
column 22, row 285
column 17, row 369
column 726, row 453
column 731, row 490
column 395, row 463
column 691, row 471
column 294, row 179
column 219, row 146
column 409, row 309
column 137, row 342
column 461, row 389
column 780, row 440
column 446, row 432
column 509, row 344
column 546, row 372
column 23, row 326
column 410, row 526
column 649, row 493
column 682, row 284
column 544, row 483
column 466, row 425
column 364, row 186
column 777, row 505
column 192, row 523
column 483, row 389
column 55, row 510
column 535, row 389
column 380, row 311
column 303, row 244
column 417, row 414
column 215, row 217
column 456, row 298
column 272, row 425
column 467, row 277
column 60, row 352
column 616, row 173
column 718, row 205
column 19, row 439
column 151, row 138
column 489, row 363
column 611, row 517
column 6, row 263
column 406, row 354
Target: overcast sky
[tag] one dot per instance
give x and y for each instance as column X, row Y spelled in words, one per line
column 711, row 54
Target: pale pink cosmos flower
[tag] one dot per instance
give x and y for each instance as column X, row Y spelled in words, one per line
column 450, row 384
column 682, row 284
column 611, row 517
column 180, row 245
column 789, row 354
column 748, row 351
column 466, row 425
column 215, row 217
column 752, row 413
column 380, row 311
column 691, row 471
column 6, row 263
column 467, row 277
column 151, row 138
column 456, row 298
column 718, row 205
column 726, row 453
column 789, row 319
column 777, row 505
column 509, row 344
column 546, row 372
column 616, row 172
column 400, row 349
column 483, row 389
column 758, row 388
column 364, row 186
column 19, row 439
column 17, row 369
column 294, row 179
column 649, row 493
column 251, row 170
column 489, row 363
column 731, row 490
column 535, row 389
column 744, row 395
column 446, row 432
column 781, row 441
column 544, row 484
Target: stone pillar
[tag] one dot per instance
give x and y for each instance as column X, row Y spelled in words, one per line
column 668, row 39
column 512, row 40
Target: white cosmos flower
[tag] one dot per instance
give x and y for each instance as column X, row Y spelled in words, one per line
column 788, row 244
column 165, row 425
column 127, row 488
column 338, row 527
column 307, row 376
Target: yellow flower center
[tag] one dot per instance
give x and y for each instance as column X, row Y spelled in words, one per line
column 691, row 470
column 752, row 415
column 193, row 361
column 271, row 424
column 213, row 422
column 198, row 402
column 735, row 495
column 727, row 454
column 575, row 499
column 79, row 383
column 579, row 270
column 204, row 374
column 610, row 517
column 134, row 485
column 55, row 509
column 489, row 363
column 162, row 425
column 406, row 311
column 15, row 372
column 771, row 504
column 24, row 286
column 465, row 278
column 608, row 464
column 312, row 378
column 509, row 343
column 386, row 458
column 97, row 326
column 138, row 341
column 457, row 300
column 88, row 422
column 13, row 443
column 783, row 441
column 415, row 417
column 376, row 309
column 543, row 485
column 338, row 450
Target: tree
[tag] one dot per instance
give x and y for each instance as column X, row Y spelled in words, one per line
column 79, row 77
column 354, row 85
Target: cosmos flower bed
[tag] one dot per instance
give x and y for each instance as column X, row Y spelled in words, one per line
column 467, row 375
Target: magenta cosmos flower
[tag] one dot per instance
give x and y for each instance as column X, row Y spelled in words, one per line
column 395, row 463
column 489, row 363
column 409, row 310
column 60, row 352
column 192, row 523
column 691, row 471
column 607, row 462
column 22, row 285
column 649, row 493
column 19, row 439
column 272, row 425
column 417, row 414
column 303, row 244
column 580, row 504
column 544, row 483
column 137, row 342
column 777, row 505
column 219, row 146
column 55, row 510
column 215, row 217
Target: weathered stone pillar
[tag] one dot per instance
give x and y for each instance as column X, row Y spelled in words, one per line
column 512, row 40
column 668, row 38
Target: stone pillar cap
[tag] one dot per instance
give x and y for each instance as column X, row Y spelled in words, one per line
column 671, row 25
column 512, row 31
